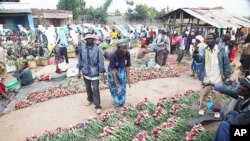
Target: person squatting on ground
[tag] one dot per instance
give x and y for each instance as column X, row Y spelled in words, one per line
column 90, row 65
column 24, row 75
column 60, row 72
column 240, row 113
column 118, row 73
column 215, row 68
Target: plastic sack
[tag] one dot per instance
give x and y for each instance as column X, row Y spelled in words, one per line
column 151, row 63
column 52, row 61
column 51, row 47
column 10, row 68
column 71, row 72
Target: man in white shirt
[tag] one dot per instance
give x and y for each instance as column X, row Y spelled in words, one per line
column 216, row 68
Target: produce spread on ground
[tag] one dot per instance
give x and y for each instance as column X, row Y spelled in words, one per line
column 139, row 72
column 167, row 120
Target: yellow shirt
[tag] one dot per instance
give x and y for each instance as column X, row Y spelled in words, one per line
column 114, row 35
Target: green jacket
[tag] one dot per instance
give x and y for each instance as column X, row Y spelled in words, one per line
column 223, row 62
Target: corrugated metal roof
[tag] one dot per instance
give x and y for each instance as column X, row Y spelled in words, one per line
column 56, row 15
column 14, row 7
column 217, row 17
column 191, row 12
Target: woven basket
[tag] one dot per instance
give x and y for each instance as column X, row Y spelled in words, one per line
column 32, row 64
column 71, row 55
column 44, row 62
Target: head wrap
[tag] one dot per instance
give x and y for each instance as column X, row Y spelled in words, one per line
column 121, row 43
column 200, row 38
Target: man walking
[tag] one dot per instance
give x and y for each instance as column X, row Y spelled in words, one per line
column 215, row 69
column 182, row 47
column 91, row 64
column 162, row 47
column 62, row 44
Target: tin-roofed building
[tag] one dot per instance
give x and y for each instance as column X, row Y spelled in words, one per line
column 13, row 14
column 48, row 17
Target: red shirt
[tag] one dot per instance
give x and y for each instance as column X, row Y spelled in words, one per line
column 2, row 88
column 144, row 42
column 151, row 33
column 175, row 41
column 232, row 54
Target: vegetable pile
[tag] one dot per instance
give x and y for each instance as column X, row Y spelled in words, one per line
column 198, row 133
column 138, row 73
column 136, row 123
column 22, row 104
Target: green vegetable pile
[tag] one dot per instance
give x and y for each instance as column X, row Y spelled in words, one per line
column 144, row 122
column 104, row 46
column 71, row 48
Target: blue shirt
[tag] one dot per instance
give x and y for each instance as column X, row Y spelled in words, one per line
column 90, row 60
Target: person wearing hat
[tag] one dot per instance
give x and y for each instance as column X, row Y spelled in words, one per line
column 196, row 63
column 90, row 65
column 162, row 47
column 241, row 113
column 119, row 72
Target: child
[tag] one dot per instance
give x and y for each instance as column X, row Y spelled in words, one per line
column 61, row 69
column 2, row 90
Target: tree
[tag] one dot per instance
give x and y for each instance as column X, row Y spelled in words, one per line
column 72, row 5
column 130, row 2
column 152, row 12
column 161, row 13
column 117, row 13
column 140, row 12
column 98, row 14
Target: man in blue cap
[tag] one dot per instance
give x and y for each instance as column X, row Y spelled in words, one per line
column 90, row 65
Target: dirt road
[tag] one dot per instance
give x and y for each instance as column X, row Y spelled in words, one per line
column 69, row 110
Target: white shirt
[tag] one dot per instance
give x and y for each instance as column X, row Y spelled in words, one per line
column 91, row 78
column 212, row 67
column 63, row 66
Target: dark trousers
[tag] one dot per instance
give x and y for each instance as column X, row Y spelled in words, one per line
column 173, row 49
column 165, row 57
column 180, row 55
column 93, row 94
column 161, row 57
column 223, row 132
column 63, row 52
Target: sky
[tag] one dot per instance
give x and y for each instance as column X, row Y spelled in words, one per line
column 235, row 7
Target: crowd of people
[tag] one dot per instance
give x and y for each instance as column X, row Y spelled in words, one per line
column 212, row 61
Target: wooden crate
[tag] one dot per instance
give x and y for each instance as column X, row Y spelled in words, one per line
column 71, row 55
column 32, row 64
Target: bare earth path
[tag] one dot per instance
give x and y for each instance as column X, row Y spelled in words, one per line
column 70, row 110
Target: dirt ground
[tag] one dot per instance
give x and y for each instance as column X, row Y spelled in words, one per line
column 70, row 110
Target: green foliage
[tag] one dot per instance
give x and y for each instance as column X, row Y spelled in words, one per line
column 98, row 14
column 118, row 13
column 143, row 12
column 130, row 2
column 72, row 5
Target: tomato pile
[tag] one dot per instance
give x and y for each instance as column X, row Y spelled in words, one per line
column 136, row 123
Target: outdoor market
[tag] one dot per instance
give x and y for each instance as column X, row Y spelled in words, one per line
column 181, row 76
